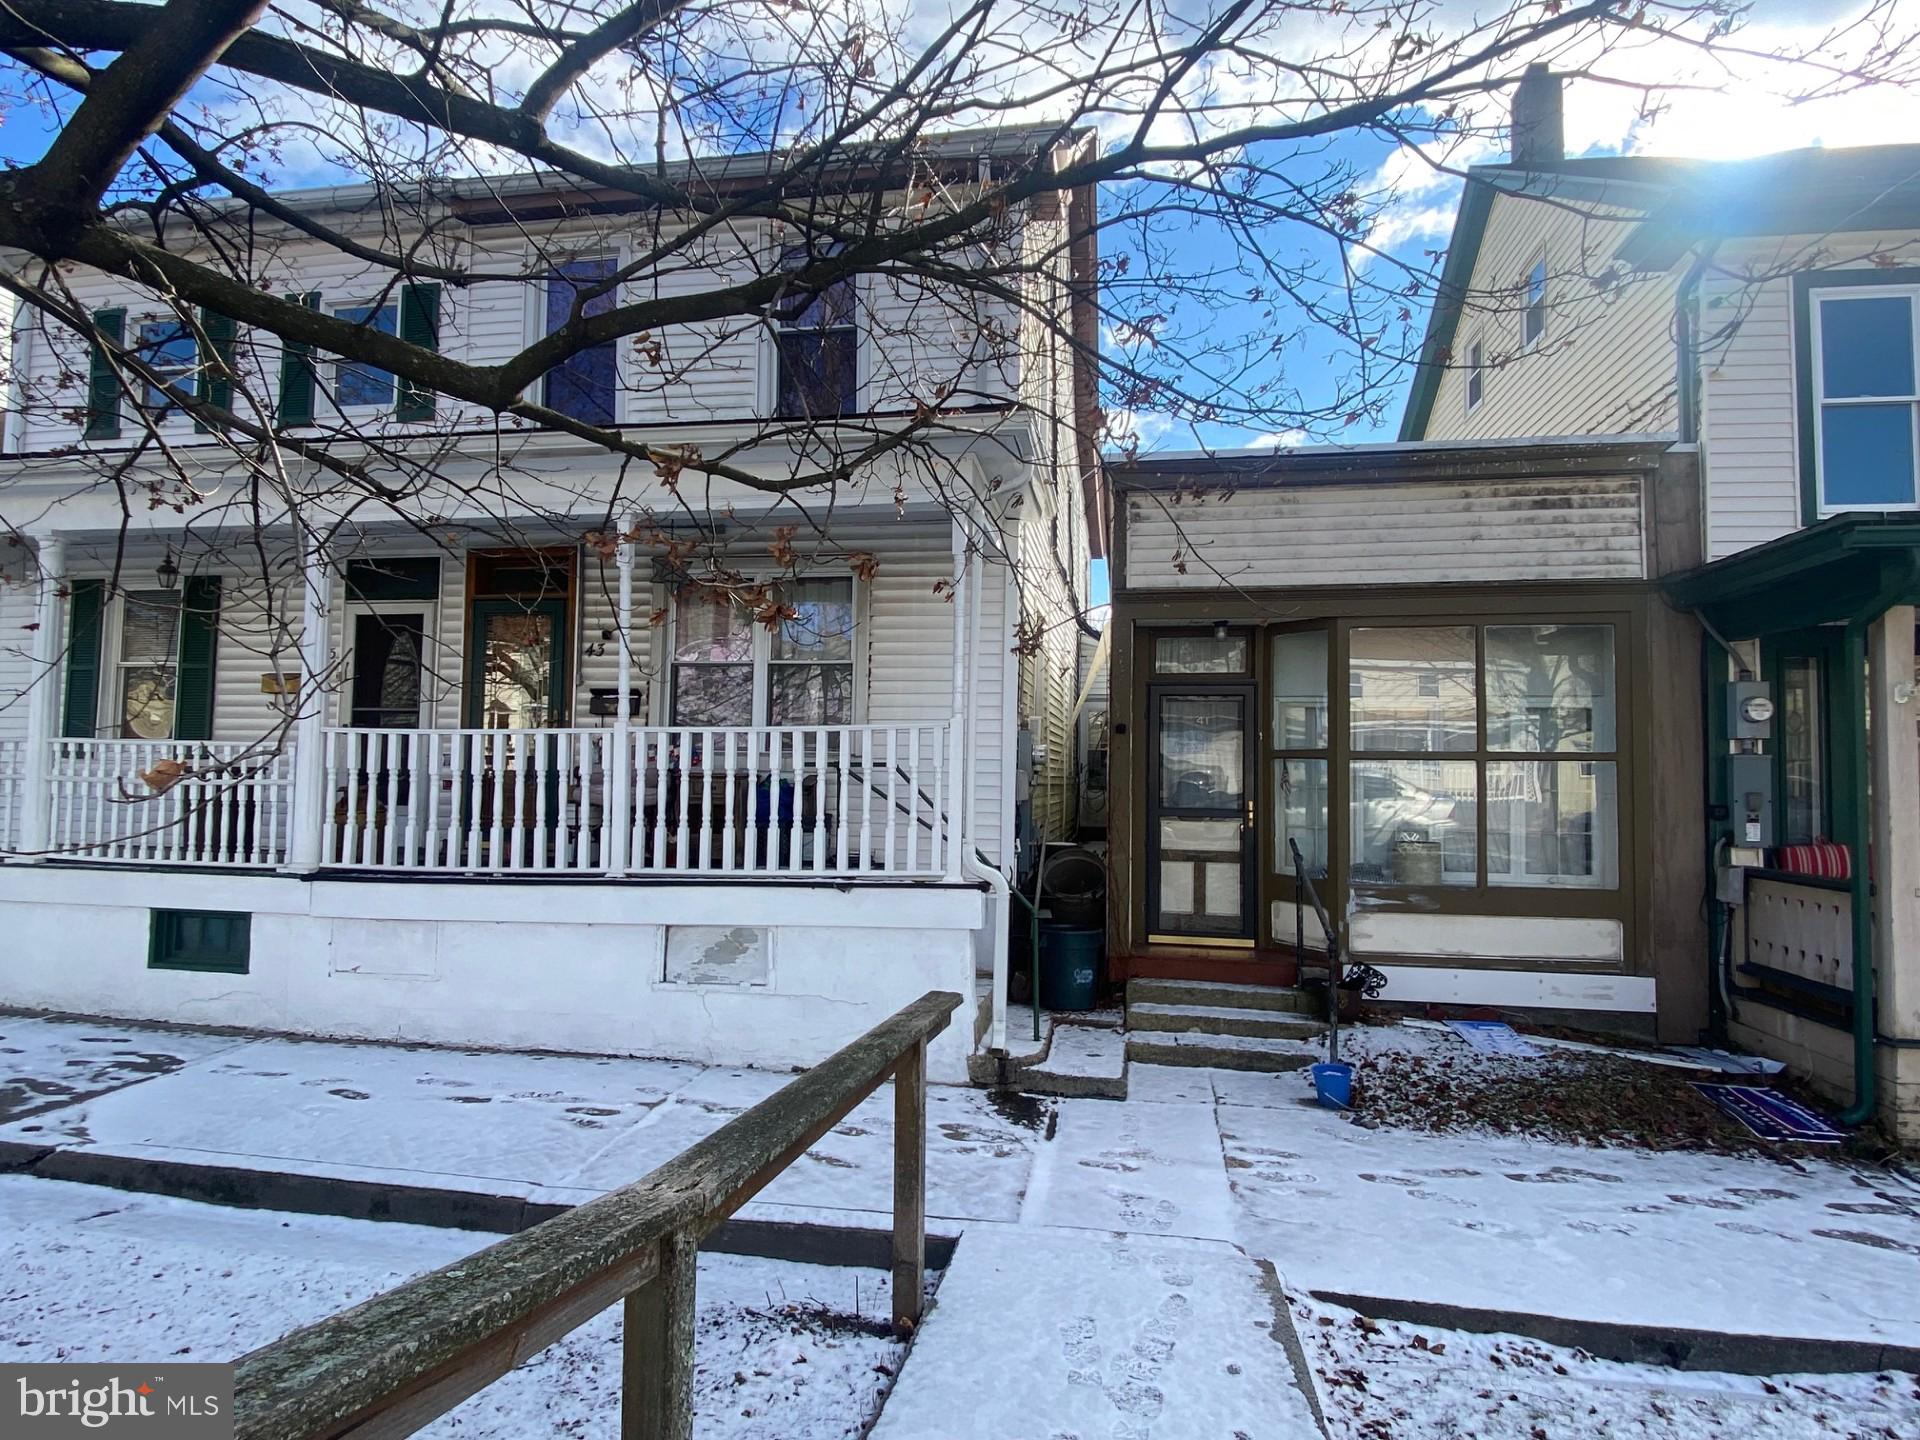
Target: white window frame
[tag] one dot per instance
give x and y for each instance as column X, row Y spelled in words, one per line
column 1817, row 382
column 108, row 713
column 173, row 414
column 534, row 316
column 768, row 387
column 762, row 658
column 1476, row 376
column 1539, row 263
column 351, row 610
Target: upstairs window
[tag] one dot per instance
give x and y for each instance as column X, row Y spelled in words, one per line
column 728, row 669
column 582, row 386
column 168, row 346
column 1476, row 374
column 1866, row 405
column 357, row 384
column 819, row 347
column 1533, row 320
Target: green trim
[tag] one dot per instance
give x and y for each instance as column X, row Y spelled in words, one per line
column 478, row 613
column 408, row 578
column 220, row 941
column 1443, row 321
column 217, row 369
column 1823, row 573
column 1805, row 283
column 199, row 642
column 296, row 372
column 103, row 381
column 80, row 715
column 420, row 327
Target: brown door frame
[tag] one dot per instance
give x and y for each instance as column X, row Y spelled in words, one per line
column 1245, row 690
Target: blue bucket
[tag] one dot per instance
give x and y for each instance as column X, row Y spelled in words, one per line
column 1333, row 1083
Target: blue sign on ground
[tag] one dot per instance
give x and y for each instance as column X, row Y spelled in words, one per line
column 1770, row 1115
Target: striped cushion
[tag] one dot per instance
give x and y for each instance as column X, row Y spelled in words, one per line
column 1820, row 858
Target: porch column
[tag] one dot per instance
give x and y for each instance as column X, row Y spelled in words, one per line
column 959, row 732
column 616, row 822
column 43, row 703
column 305, row 847
column 1895, row 758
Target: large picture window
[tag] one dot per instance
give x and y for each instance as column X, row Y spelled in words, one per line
column 1484, row 755
column 730, row 669
column 1866, row 396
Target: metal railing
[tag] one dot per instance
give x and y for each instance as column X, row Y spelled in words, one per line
column 395, row 1363
column 169, row 802
column 1304, row 882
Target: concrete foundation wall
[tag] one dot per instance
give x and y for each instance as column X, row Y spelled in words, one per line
column 541, row 966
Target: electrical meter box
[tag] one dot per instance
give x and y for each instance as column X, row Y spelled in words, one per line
column 1749, row 710
column 1750, row 799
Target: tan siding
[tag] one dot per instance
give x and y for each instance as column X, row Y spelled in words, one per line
column 1606, row 362
column 1589, row 529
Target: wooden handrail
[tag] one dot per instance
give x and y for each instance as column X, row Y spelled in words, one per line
column 393, row 1364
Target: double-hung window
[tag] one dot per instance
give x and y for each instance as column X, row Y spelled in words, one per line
column 1865, row 401
column 354, row 382
column 730, row 669
column 147, row 670
column 1533, row 319
column 167, row 346
column 584, row 385
column 819, row 372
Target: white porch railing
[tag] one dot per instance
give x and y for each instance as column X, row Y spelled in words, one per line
column 831, row 801
column 168, row 802
column 13, row 786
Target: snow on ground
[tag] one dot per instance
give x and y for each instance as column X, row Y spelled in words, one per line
column 94, row 1274
column 1043, row 1334
column 45, row 1063
column 547, row 1127
column 1385, row 1381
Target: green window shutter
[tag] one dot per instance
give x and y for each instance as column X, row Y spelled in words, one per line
column 217, row 370
column 81, row 709
column 419, row 325
column 296, row 372
column 193, row 682
column 103, row 384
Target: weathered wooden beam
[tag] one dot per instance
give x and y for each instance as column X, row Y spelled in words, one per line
column 909, row 1186
column 420, row 1349
column 656, row 1363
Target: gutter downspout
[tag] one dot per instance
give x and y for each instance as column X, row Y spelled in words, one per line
column 966, row 632
column 1898, row 582
column 1686, row 325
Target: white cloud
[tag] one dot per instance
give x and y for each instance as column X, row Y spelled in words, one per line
column 1137, row 429
column 1276, row 440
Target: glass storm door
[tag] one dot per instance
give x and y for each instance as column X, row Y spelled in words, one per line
column 1200, row 872
column 518, row 678
column 389, row 670
column 1298, row 735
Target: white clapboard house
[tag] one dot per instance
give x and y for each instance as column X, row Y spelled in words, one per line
column 359, row 767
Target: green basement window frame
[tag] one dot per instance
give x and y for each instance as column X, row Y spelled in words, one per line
column 216, row 940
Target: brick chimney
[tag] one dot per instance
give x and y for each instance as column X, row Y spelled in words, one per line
column 1539, row 132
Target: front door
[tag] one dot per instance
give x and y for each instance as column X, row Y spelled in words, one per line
column 517, row 676
column 389, row 669
column 1200, row 876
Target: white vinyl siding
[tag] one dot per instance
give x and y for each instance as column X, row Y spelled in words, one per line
column 1426, row 533
column 1605, row 363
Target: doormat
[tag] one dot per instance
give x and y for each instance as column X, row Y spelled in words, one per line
column 1770, row 1115
column 1493, row 1037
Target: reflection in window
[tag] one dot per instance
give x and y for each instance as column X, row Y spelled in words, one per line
column 1300, row 813
column 149, row 648
column 1534, row 322
column 1413, row 822
column 1202, row 752
column 819, row 346
column 1802, row 751
column 1300, row 690
column 728, row 669
column 168, row 346
column 582, row 385
column 1200, row 654
column 1552, row 823
column 516, row 686
column 1550, row 687
column 712, row 660
column 1867, row 375
column 1413, row 689
column 810, row 669
column 356, row 383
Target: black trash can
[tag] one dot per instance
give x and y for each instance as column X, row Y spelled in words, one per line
column 1070, row 966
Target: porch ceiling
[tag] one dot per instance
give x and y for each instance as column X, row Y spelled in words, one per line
column 1827, row 572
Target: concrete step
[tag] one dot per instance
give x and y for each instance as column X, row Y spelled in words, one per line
column 1222, row 1020
column 1222, row 995
column 1089, row 1061
column 1219, row 1052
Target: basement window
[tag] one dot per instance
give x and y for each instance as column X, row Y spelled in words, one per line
column 215, row 940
